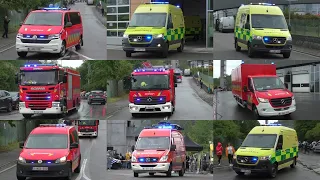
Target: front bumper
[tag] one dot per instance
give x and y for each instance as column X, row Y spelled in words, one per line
column 97, row 100
column 87, row 134
column 52, row 110
column 150, row 167
column 54, row 46
column 54, row 170
column 155, row 45
column 263, row 166
column 266, row 110
column 259, row 46
column 179, row 80
column 160, row 108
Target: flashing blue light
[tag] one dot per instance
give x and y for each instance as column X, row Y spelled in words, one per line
column 272, row 62
column 159, row 3
column 138, row 99
column 28, row 36
column 27, row 97
column 254, row 159
column 53, row 125
column 148, row 37
column 54, row 8
column 36, row 65
column 274, row 124
column 141, row 159
column 161, row 99
column 165, row 127
column 48, row 97
column 150, row 70
column 178, row 6
column 51, row 5
column 147, row 160
column 242, row 62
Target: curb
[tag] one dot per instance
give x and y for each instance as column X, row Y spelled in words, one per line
column 308, row 167
column 302, row 52
column 98, row 16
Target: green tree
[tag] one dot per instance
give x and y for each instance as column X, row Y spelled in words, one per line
column 302, row 127
column 314, row 133
column 246, row 126
column 200, row 132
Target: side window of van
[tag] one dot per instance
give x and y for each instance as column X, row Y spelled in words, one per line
column 70, row 139
column 280, row 142
column 243, row 20
column 75, row 136
column 169, row 20
column 248, row 19
column 66, row 18
column 250, row 87
column 75, row 18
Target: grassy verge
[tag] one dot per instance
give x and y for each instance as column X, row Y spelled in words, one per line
column 10, row 147
column 205, row 83
column 119, row 98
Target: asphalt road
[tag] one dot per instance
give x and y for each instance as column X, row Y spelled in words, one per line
column 85, row 111
column 224, row 50
column 94, row 37
column 189, row 106
column 128, row 174
column 307, row 104
column 93, row 159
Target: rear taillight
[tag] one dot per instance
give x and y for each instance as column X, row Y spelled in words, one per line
column 180, row 77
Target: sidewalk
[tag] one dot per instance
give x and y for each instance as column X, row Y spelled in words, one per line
column 8, row 41
column 208, row 98
column 9, row 158
column 116, row 106
column 101, row 18
column 310, row 161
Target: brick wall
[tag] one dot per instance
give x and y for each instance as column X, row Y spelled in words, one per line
column 135, row 4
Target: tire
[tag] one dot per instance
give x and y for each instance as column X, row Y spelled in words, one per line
column 240, row 173
column 250, row 51
column 151, row 174
column 128, row 54
column 293, row 165
column 238, row 48
column 78, row 169
column 135, row 174
column 63, row 49
column 78, row 46
column 165, row 51
column 9, row 108
column 181, row 172
column 103, row 103
column 286, row 55
column 69, row 177
column 27, row 116
column 168, row 173
column 256, row 113
column 21, row 178
column 16, row 107
column 273, row 172
column 180, row 49
column 22, row 54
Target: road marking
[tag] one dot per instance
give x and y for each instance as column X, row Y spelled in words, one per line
column 87, row 58
column 109, row 116
column 84, row 170
column 298, row 52
column 6, row 49
column 8, row 168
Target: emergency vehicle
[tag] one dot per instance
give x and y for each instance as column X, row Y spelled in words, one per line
column 152, row 91
column 155, row 27
column 51, row 150
column 258, row 88
column 88, row 128
column 159, row 149
column 48, row 89
column 267, row 149
column 50, row 30
column 262, row 27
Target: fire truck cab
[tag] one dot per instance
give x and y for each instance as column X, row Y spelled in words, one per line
column 48, row 89
column 152, row 91
column 88, row 128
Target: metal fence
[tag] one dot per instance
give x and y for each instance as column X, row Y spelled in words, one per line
column 305, row 27
column 15, row 19
column 208, row 80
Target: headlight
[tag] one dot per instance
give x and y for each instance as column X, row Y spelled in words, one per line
column 21, row 159
column 256, row 37
column 262, row 100
column 61, row 160
column 234, row 156
column 54, row 36
column 22, row 104
column 158, row 36
column 166, row 107
column 125, row 36
column 19, row 35
column 293, row 98
column 55, row 104
column 133, row 159
column 289, row 38
column 265, row 157
column 164, row 158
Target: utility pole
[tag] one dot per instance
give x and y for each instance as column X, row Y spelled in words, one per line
column 89, row 72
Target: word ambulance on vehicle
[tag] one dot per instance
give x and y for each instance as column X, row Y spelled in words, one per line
column 48, row 89
column 155, row 27
column 262, row 27
column 159, row 149
column 50, row 151
column 88, row 128
column 50, row 30
column 258, row 88
column 267, row 149
column 152, row 91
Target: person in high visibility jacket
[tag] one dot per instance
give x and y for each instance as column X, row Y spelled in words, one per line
column 230, row 152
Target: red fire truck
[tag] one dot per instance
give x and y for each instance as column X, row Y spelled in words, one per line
column 88, row 128
column 48, row 89
column 152, row 91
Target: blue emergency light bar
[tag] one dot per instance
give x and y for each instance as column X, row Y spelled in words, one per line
column 166, row 125
column 263, row 4
column 159, row 2
column 54, row 8
column 53, row 125
column 150, row 70
column 271, row 124
column 38, row 65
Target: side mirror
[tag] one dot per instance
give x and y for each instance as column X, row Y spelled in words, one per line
column 21, row 144
column 74, row 145
column 173, row 147
column 247, row 26
column 289, row 27
column 69, row 24
column 175, row 85
column 17, row 78
column 170, row 26
column 98, row 122
column 132, row 148
column 20, row 23
column 245, row 88
column 286, row 85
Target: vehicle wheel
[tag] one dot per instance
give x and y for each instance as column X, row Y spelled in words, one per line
column 22, row 54
column 78, row 46
column 135, row 174
column 69, row 177
column 135, row 115
column 128, row 54
column 180, row 49
column 236, row 46
column 63, row 49
column 286, row 55
column 27, row 116
column 287, row 116
column 293, row 165
column 21, row 178
column 181, row 172
column 274, row 170
column 250, row 51
column 16, row 107
column 240, row 173
column 151, row 174
column 78, row 169
column 9, row 108
column 165, row 51
column 168, row 173
column 256, row 113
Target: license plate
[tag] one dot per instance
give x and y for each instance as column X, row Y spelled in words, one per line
column 97, row 96
column 139, row 49
column 149, row 107
column 275, row 51
column 33, row 49
column 38, row 112
column 40, row 168
column 283, row 113
column 149, row 168
column 245, row 171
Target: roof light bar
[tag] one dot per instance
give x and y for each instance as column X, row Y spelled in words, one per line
column 165, row 125
column 53, row 125
column 150, row 70
column 38, row 65
column 159, row 2
column 263, row 4
column 271, row 124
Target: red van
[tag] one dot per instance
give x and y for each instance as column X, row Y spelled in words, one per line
column 51, row 150
column 50, row 30
column 159, row 149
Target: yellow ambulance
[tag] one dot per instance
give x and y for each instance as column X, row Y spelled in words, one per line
column 267, row 149
column 262, row 27
column 193, row 27
column 155, row 28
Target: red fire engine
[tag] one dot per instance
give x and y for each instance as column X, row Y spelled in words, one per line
column 88, row 128
column 152, row 91
column 48, row 89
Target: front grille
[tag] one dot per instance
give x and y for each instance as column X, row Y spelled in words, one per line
column 274, row 40
column 86, row 130
column 281, row 102
column 150, row 100
column 39, row 41
column 43, row 162
column 148, row 159
column 38, row 36
column 147, row 165
column 247, row 159
column 38, row 96
column 140, row 38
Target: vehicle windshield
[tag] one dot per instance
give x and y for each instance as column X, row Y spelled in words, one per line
column 260, row 141
column 44, row 19
column 148, row 20
column 14, row 94
column 267, row 83
column 268, row 21
column 177, row 74
column 97, row 93
column 39, row 78
column 150, row 82
column 87, row 123
column 47, row 141
column 153, row 143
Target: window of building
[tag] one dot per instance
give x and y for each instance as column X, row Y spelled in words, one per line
column 118, row 16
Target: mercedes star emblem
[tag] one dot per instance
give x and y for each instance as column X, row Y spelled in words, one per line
column 139, row 38
column 275, row 40
column 34, row 37
column 283, row 101
column 39, row 161
column 246, row 159
column 149, row 99
column 148, row 159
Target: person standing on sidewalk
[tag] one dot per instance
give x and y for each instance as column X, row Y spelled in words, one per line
column 6, row 27
column 229, row 153
column 201, row 83
column 219, row 150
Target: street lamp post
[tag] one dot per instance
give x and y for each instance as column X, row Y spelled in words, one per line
column 289, row 1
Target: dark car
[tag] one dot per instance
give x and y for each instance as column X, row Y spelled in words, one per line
column 97, row 97
column 178, row 76
column 5, row 101
column 15, row 99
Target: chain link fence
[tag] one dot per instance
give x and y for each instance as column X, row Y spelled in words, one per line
column 16, row 17
column 305, row 27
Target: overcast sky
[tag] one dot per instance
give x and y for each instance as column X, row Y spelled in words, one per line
column 70, row 63
column 231, row 64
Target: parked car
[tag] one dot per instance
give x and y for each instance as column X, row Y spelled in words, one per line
column 316, row 148
column 97, row 97
column 5, row 101
column 15, row 99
